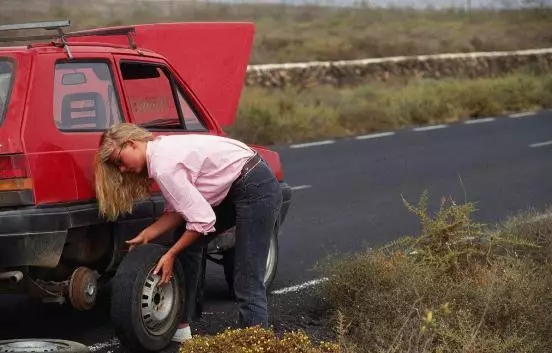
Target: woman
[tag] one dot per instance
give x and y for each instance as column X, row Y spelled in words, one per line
column 195, row 173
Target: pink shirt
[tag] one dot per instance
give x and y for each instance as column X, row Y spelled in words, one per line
column 195, row 172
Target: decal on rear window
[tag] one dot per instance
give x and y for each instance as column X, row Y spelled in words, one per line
column 6, row 82
column 156, row 101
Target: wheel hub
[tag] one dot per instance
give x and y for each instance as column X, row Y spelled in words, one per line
column 158, row 303
column 83, row 288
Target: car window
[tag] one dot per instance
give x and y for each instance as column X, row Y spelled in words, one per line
column 155, row 100
column 6, row 75
column 84, row 97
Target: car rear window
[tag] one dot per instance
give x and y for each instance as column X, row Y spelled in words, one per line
column 6, row 75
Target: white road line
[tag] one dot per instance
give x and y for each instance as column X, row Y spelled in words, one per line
column 311, row 144
column 521, row 115
column 297, row 288
column 478, row 121
column 300, row 187
column 541, row 144
column 113, row 342
column 371, row 136
column 431, row 127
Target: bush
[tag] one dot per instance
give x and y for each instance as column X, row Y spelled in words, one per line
column 270, row 116
column 255, row 339
column 458, row 286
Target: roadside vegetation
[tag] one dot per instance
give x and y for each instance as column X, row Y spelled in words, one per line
column 253, row 340
column 457, row 286
column 304, row 33
column 273, row 116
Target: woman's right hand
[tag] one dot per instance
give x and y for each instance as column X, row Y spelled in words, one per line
column 143, row 238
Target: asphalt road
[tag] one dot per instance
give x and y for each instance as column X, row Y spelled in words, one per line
column 347, row 198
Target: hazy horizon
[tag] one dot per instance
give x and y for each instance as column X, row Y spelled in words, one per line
column 438, row 4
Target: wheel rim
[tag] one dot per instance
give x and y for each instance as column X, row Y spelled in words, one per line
column 271, row 260
column 33, row 346
column 158, row 304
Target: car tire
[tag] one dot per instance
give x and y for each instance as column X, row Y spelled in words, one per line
column 272, row 264
column 145, row 316
column 32, row 345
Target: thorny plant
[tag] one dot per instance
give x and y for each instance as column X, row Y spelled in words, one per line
column 451, row 240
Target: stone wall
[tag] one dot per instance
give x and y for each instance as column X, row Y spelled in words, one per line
column 340, row 73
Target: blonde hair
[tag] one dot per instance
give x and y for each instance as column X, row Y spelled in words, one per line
column 116, row 191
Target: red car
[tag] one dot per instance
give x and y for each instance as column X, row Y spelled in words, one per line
column 57, row 95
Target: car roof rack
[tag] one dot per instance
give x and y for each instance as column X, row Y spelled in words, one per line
column 61, row 35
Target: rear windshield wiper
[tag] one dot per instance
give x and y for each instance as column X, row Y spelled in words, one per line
column 161, row 122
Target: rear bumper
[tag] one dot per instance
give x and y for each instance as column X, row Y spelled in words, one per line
column 35, row 236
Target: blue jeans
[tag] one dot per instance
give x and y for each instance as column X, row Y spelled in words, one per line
column 252, row 205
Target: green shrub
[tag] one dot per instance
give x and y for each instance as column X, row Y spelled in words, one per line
column 255, row 339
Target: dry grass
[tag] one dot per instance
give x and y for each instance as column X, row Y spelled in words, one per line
column 290, row 115
column 304, row 33
column 458, row 286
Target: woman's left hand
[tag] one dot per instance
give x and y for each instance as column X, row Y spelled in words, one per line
column 165, row 264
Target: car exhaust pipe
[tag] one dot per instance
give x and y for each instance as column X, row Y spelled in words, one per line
column 15, row 276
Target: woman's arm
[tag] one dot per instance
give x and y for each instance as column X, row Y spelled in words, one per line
column 169, row 220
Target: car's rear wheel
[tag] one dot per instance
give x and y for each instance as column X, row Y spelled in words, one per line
column 271, row 264
column 145, row 315
column 31, row 345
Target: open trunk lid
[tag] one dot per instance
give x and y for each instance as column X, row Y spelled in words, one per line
column 211, row 57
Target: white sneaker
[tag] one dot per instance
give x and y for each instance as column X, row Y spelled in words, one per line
column 182, row 334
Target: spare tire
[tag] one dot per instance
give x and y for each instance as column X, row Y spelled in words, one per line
column 145, row 316
column 32, row 345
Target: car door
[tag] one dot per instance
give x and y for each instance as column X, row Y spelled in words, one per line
column 156, row 100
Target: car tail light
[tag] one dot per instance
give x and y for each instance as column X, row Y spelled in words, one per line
column 13, row 166
column 16, row 186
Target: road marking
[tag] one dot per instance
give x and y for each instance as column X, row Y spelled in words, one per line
column 372, row 136
column 431, row 127
column 297, row 288
column 541, row 144
column 311, row 144
column 102, row 345
column 478, row 121
column 300, row 187
column 521, row 115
